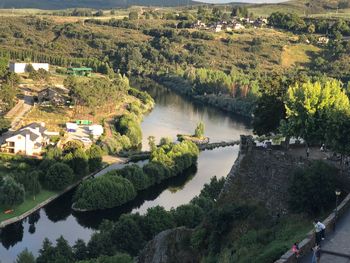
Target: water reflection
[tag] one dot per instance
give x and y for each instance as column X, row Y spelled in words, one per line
column 172, row 115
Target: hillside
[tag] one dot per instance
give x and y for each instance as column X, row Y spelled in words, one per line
column 98, row 4
column 303, row 7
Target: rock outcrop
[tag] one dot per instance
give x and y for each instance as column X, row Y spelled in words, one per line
column 170, row 246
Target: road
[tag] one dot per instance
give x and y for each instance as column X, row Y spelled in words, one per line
column 338, row 242
column 20, row 110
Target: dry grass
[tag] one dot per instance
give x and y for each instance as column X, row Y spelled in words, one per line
column 298, row 55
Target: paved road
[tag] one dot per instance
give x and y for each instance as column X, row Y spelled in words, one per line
column 339, row 242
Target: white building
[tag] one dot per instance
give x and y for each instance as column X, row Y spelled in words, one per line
column 218, row 28
column 71, row 127
column 22, row 67
column 238, row 26
column 96, row 130
column 29, row 140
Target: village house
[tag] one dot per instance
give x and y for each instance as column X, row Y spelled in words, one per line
column 53, row 96
column 238, row 26
column 323, row 40
column 28, row 140
column 218, row 28
column 199, row 24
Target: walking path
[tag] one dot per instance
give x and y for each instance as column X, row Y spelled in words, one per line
column 338, row 242
column 19, row 111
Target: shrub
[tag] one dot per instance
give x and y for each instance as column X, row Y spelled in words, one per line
column 58, row 177
column 312, row 189
column 11, row 193
column 135, row 175
column 103, row 192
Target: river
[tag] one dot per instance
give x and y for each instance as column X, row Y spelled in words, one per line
column 173, row 114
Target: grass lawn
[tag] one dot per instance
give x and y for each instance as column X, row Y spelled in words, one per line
column 28, row 204
column 298, row 55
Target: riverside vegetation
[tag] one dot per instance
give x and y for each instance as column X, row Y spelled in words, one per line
column 250, row 73
column 120, row 186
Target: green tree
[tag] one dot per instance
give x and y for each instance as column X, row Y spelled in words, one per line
column 309, row 108
column 25, row 257
column 80, row 250
column 133, row 15
column 199, row 131
column 58, row 176
column 152, row 143
column 95, row 158
column 11, row 193
column 156, row 220
column 311, row 29
column 4, row 125
column 103, row 192
column 312, row 189
column 4, row 61
column 127, row 235
column 46, row 253
column 63, row 251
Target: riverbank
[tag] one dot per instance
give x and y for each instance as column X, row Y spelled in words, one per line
column 241, row 107
column 45, row 197
column 119, row 187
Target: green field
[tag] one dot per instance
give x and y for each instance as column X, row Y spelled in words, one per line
column 28, row 204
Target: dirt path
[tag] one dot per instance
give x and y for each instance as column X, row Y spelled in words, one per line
column 20, row 110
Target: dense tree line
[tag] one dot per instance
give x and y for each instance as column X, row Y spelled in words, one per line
column 26, row 177
column 293, row 22
column 120, row 186
column 115, row 240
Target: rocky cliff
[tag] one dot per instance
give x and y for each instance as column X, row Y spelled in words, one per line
column 170, row 246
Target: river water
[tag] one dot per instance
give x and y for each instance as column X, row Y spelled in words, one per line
column 172, row 115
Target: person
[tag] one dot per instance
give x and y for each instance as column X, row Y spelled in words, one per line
column 316, row 255
column 320, row 231
column 322, row 149
column 296, row 250
column 307, row 152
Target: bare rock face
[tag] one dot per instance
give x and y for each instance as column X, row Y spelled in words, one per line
column 170, row 246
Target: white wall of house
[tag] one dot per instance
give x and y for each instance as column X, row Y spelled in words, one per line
column 24, row 145
column 21, row 67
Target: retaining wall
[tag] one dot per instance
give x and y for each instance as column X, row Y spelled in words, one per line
column 306, row 244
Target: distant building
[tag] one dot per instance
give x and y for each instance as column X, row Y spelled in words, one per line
column 218, row 28
column 53, row 96
column 28, row 140
column 16, row 67
column 238, row 26
column 323, row 40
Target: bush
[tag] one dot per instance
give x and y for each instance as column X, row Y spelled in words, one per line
column 58, row 177
column 95, row 158
column 135, row 175
column 189, row 215
column 312, row 189
column 103, row 192
column 11, row 193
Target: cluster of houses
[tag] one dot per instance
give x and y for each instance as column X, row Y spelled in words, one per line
column 235, row 24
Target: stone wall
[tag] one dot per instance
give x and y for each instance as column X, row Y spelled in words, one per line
column 261, row 175
column 306, row 244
